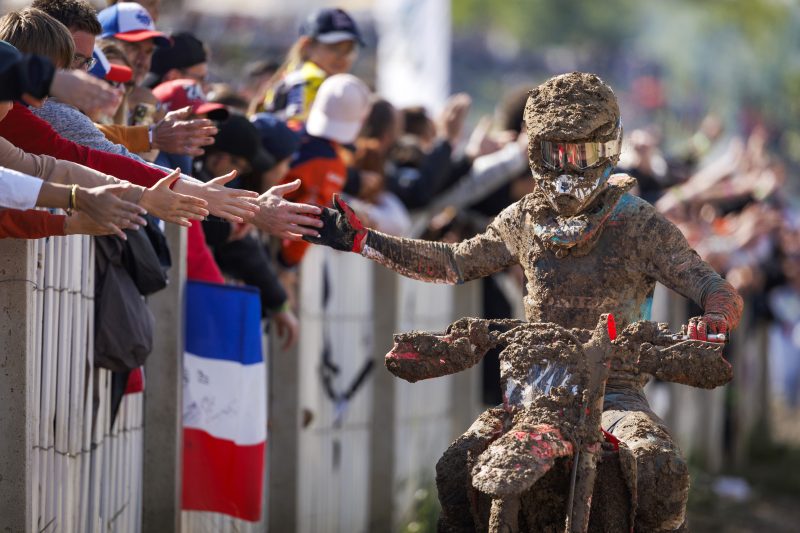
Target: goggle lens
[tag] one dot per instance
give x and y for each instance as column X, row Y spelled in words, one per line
column 580, row 155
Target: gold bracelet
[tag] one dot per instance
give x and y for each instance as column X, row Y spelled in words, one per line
column 73, row 200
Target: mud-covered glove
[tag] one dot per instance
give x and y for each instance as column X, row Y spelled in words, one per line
column 341, row 230
column 701, row 326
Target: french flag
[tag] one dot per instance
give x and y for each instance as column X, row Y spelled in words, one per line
column 224, row 401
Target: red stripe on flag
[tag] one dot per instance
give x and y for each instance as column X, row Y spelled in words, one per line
column 222, row 476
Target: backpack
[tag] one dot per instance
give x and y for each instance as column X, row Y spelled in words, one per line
column 125, row 271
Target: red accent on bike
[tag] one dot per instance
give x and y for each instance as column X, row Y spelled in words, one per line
column 403, row 355
column 612, row 439
column 611, row 324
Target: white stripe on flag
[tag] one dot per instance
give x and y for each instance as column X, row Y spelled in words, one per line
column 226, row 399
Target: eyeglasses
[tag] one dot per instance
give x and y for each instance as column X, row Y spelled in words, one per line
column 580, row 155
column 80, row 61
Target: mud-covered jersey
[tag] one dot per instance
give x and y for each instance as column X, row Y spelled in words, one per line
column 292, row 97
column 636, row 247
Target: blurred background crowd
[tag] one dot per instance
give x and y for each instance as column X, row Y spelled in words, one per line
column 710, row 100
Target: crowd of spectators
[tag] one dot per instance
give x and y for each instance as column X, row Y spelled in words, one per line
column 109, row 119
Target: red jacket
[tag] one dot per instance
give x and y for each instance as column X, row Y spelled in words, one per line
column 32, row 134
column 30, row 224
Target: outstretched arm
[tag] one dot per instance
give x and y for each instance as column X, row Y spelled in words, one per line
column 430, row 261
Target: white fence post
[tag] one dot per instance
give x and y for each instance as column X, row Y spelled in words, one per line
column 17, row 282
column 163, row 399
column 384, row 294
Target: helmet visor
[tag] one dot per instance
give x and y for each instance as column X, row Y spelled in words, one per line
column 581, row 156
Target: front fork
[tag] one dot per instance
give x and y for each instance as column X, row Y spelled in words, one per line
column 505, row 515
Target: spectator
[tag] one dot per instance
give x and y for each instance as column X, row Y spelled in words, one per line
column 153, row 7
column 335, row 119
column 83, row 25
column 328, row 45
column 237, row 250
column 280, row 142
column 131, row 25
column 187, row 58
column 187, row 95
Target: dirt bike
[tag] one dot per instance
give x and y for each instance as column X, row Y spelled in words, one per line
column 551, row 454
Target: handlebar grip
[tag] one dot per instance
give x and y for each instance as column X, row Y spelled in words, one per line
column 711, row 337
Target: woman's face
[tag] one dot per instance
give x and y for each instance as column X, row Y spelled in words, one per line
column 335, row 58
column 5, row 107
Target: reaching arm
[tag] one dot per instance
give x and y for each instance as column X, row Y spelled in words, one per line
column 430, row 261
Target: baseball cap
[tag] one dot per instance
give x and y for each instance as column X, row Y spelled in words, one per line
column 105, row 70
column 129, row 21
column 177, row 94
column 339, row 110
column 238, row 136
column 331, row 26
column 276, row 137
column 186, row 51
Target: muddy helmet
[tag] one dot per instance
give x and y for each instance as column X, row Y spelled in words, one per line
column 574, row 139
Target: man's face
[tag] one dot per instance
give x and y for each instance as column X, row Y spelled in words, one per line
column 139, row 55
column 84, row 48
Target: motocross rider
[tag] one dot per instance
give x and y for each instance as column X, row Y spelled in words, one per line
column 587, row 247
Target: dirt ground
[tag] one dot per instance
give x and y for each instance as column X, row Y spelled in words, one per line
column 773, row 475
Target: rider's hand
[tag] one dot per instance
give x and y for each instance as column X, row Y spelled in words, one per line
column 701, row 326
column 342, row 229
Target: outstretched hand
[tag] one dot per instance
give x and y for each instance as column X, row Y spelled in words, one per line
column 176, row 134
column 85, row 92
column 234, row 205
column 171, row 206
column 105, row 207
column 341, row 229
column 282, row 218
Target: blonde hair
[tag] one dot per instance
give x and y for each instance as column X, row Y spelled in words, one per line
column 297, row 55
column 33, row 31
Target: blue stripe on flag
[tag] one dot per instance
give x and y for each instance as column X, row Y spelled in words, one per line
column 223, row 322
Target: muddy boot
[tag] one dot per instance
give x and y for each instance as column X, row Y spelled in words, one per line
column 453, row 482
column 662, row 475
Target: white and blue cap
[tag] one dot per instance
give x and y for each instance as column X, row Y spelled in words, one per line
column 106, row 70
column 129, row 21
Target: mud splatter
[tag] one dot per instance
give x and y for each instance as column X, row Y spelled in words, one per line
column 572, row 107
column 421, row 355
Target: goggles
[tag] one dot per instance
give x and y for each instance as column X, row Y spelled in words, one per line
column 581, row 156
